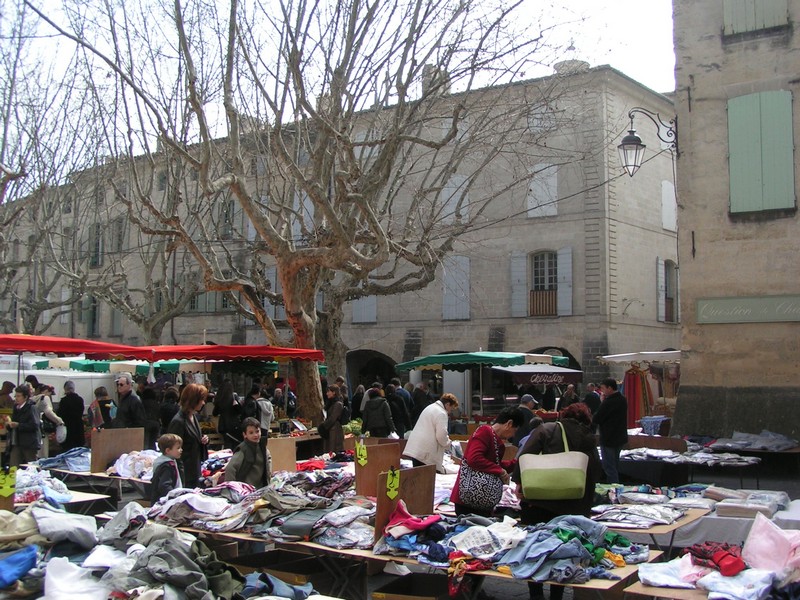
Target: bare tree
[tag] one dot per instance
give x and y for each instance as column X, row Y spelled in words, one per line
column 363, row 141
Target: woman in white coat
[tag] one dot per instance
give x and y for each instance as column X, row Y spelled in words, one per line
column 428, row 440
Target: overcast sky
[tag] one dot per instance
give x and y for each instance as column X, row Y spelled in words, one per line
column 634, row 36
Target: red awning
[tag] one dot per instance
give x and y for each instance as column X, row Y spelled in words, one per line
column 99, row 350
column 58, row 345
column 155, row 353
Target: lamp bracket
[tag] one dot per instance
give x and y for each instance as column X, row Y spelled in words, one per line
column 667, row 130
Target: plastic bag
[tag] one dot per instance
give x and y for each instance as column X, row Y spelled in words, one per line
column 393, row 436
column 61, row 433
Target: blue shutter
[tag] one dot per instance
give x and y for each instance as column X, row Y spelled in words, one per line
column 455, row 292
column 564, row 292
column 519, row 284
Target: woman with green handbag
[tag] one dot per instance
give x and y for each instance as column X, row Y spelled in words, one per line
column 575, row 421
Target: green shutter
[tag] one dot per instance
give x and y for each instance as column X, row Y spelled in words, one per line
column 744, row 153
column 740, row 16
column 777, row 150
column 761, row 152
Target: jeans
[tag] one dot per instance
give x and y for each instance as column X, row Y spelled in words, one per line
column 610, row 462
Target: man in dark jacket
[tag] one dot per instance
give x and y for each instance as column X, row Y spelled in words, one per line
column 612, row 421
column 70, row 409
column 130, row 410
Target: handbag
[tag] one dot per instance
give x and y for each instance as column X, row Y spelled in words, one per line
column 477, row 489
column 560, row 476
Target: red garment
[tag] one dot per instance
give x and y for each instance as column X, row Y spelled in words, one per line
column 481, row 455
column 403, row 522
column 311, row 465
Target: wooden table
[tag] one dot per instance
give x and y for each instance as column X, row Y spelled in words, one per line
column 650, row 591
column 692, row 515
column 81, row 502
column 350, row 581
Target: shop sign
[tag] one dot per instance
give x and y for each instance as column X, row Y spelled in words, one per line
column 751, row 309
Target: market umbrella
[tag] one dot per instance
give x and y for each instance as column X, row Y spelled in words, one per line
column 542, row 374
column 461, row 361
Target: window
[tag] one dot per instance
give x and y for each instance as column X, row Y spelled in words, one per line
column 116, row 323
column 226, row 219
column 162, row 181
column 667, row 290
column 96, row 245
column 543, row 191
column 66, row 206
column 118, row 234
column 65, row 311
column 455, row 288
column 761, row 152
column 303, row 219
column 541, row 283
column 275, row 312
column 258, row 165
column 91, row 316
column 454, row 199
column 741, row 16
column 365, row 309
column 99, row 196
column 541, row 119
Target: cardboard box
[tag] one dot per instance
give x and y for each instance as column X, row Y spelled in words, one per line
column 294, row 568
column 260, row 561
column 416, row 586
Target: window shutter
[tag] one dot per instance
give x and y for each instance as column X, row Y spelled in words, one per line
column 661, row 289
column 519, row 284
column 543, row 191
column 564, row 281
column 669, row 206
column 677, row 295
column 751, row 15
column 777, row 151
column 64, row 317
column 454, row 199
column 761, row 152
column 455, row 292
column 365, row 309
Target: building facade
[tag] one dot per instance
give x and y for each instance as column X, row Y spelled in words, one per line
column 577, row 258
column 585, row 265
column 737, row 65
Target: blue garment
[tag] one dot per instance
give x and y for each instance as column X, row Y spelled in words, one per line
column 593, row 531
column 17, row 564
column 528, row 556
column 264, row 584
column 77, row 460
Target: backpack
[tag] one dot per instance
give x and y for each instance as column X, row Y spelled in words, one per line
column 346, row 415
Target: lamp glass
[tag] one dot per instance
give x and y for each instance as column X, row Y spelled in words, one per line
column 631, row 152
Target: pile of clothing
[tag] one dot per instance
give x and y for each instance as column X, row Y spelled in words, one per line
column 568, row 549
column 33, row 483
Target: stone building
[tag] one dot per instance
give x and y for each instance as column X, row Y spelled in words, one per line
column 737, row 66
column 577, row 259
column 585, row 265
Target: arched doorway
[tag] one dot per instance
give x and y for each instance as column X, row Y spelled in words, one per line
column 367, row 366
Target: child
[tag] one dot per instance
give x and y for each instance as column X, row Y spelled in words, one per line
column 251, row 461
column 167, row 468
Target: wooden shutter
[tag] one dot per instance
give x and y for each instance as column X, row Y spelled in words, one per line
column 661, row 289
column 761, row 152
column 740, row 16
column 365, row 309
column 519, row 283
column 543, row 191
column 456, row 284
column 564, row 281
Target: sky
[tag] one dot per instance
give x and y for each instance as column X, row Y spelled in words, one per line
column 633, row 36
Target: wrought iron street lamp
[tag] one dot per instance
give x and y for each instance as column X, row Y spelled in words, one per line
column 631, row 150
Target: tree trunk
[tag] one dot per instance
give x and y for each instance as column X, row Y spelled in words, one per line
column 329, row 338
column 309, row 391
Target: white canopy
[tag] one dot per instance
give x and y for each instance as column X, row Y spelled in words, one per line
column 672, row 356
